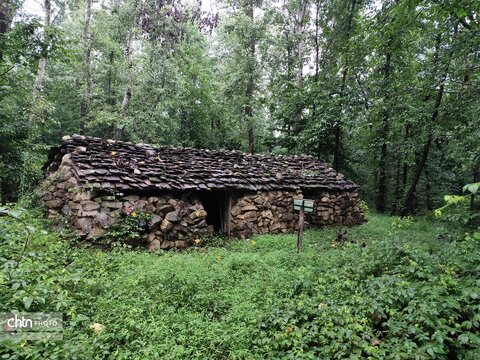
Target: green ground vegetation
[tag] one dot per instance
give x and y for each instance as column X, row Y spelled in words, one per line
column 405, row 289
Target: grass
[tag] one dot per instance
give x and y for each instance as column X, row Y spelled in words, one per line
column 258, row 298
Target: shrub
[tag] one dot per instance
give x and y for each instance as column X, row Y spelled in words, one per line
column 406, row 294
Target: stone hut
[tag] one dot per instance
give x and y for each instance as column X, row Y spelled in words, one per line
column 189, row 193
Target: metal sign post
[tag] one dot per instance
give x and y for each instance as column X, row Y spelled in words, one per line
column 303, row 206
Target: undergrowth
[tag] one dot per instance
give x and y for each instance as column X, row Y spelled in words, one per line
column 402, row 289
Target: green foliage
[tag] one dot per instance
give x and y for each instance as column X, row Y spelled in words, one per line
column 471, row 188
column 403, row 222
column 396, row 297
column 18, row 49
column 458, row 209
column 365, row 208
column 127, row 230
column 201, row 80
column 461, row 207
column 408, row 293
column 33, row 275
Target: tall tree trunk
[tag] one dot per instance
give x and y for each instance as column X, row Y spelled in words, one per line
column 317, row 67
column 87, row 66
column 382, row 164
column 6, row 17
column 428, row 188
column 42, row 63
column 299, row 30
column 405, row 165
column 298, row 34
column 289, row 55
column 110, row 92
column 6, row 10
column 337, row 128
column 404, row 177
column 127, row 96
column 398, row 192
column 250, row 80
column 408, row 206
column 421, row 160
column 288, row 47
column 249, row 110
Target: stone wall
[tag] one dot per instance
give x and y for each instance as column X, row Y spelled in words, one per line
column 176, row 220
column 336, row 208
column 272, row 211
column 263, row 212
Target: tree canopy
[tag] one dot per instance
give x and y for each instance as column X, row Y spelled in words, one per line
column 385, row 91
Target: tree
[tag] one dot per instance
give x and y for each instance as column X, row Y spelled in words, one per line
column 6, row 10
column 42, row 63
column 128, row 87
column 441, row 62
column 343, row 82
column 87, row 66
column 387, row 94
column 241, row 33
column 248, row 8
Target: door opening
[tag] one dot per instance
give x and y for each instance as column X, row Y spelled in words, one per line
column 216, row 204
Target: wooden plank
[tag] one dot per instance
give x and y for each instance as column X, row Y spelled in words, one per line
column 298, row 202
column 229, row 212
column 221, row 213
column 305, row 204
column 308, row 203
column 308, row 209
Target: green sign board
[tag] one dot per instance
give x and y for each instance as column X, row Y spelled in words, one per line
column 304, row 206
column 305, row 203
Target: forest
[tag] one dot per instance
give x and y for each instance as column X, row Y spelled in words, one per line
column 386, row 92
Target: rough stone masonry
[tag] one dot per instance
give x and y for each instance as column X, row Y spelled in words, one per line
column 93, row 184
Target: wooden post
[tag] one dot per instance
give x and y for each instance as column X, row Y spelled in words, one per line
column 229, row 212
column 303, row 206
column 300, row 230
column 221, row 211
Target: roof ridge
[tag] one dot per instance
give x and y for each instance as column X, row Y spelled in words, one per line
column 67, row 138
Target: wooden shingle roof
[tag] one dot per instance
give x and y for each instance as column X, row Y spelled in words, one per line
column 122, row 165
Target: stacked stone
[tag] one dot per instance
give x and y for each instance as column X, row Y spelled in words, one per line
column 272, row 211
column 337, row 208
column 57, row 190
column 263, row 212
column 175, row 220
column 57, row 187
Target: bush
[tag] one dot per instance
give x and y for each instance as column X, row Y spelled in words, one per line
column 410, row 292
column 391, row 298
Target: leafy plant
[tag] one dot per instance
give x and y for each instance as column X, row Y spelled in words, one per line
column 459, row 208
column 403, row 222
column 127, row 230
column 404, row 295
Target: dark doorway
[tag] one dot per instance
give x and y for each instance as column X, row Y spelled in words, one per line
column 215, row 204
